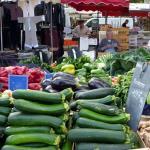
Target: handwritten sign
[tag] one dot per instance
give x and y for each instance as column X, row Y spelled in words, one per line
column 138, row 93
column 16, row 82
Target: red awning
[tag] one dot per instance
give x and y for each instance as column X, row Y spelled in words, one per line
column 119, row 6
column 139, row 13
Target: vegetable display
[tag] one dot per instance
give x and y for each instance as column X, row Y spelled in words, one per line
column 38, row 120
column 99, row 125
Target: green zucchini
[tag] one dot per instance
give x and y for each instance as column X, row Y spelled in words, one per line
column 88, row 123
column 67, row 145
column 4, row 102
column 37, row 108
column 39, row 96
column 64, row 117
column 50, row 139
column 108, row 100
column 19, row 119
column 2, row 130
column 96, row 93
column 61, row 130
column 36, row 129
column 34, row 145
column 3, row 120
column 120, row 119
column 11, row 147
column 100, row 108
column 98, row 146
column 5, row 110
column 97, row 135
column 68, row 93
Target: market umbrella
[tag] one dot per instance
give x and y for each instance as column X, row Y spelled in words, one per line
column 120, row 7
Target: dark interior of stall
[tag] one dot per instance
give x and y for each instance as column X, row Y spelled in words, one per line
column 49, row 32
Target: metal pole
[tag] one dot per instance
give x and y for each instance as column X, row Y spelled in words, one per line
column 51, row 32
column 1, row 28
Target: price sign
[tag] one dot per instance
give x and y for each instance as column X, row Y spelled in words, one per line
column 49, row 75
column 138, row 93
column 16, row 82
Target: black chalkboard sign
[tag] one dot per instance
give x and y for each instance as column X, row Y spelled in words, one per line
column 138, row 93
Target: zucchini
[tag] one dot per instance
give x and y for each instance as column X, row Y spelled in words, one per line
column 4, row 102
column 37, row 108
column 96, row 93
column 120, row 119
column 64, row 117
column 97, row 135
column 5, row 110
column 3, row 120
column 68, row 93
column 19, row 119
column 67, row 145
column 39, row 96
column 50, row 139
column 88, row 123
column 108, row 100
column 61, row 130
column 36, row 129
column 100, row 108
column 11, row 147
column 98, row 146
column 2, row 130
column 34, row 145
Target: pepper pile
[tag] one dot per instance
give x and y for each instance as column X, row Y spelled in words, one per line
column 35, row 76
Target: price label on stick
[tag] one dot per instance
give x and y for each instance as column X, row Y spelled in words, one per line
column 138, row 93
column 16, row 82
column 49, row 75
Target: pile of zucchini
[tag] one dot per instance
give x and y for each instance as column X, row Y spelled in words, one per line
column 99, row 125
column 5, row 109
column 38, row 120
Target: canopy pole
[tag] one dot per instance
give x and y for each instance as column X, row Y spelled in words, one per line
column 106, row 17
column 51, row 32
column 1, row 28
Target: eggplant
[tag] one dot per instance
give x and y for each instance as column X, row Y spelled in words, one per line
column 61, row 83
column 46, row 83
column 63, row 75
column 50, row 89
column 96, row 83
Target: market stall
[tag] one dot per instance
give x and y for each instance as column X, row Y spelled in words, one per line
column 80, row 103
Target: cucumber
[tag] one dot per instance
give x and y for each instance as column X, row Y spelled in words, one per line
column 68, row 93
column 50, row 139
column 120, row 119
column 4, row 102
column 11, row 147
column 96, row 135
column 5, row 110
column 100, row 108
column 19, row 119
column 37, row 108
column 96, row 93
column 3, row 120
column 98, row 146
column 88, row 123
column 36, row 129
column 39, row 96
